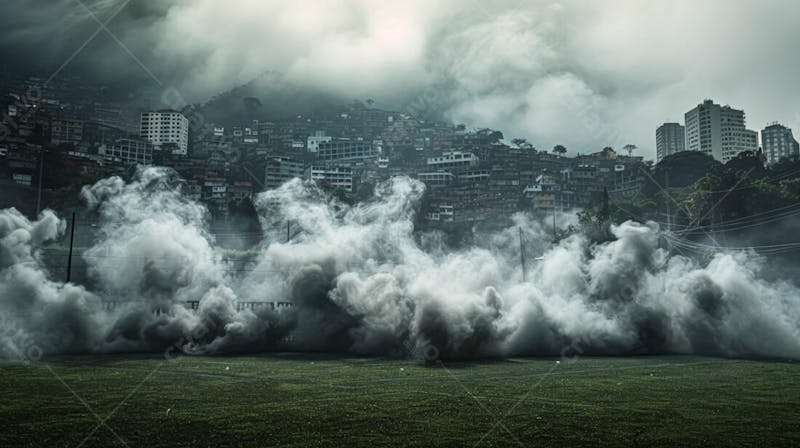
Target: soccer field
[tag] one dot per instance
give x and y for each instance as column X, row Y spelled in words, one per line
column 310, row 400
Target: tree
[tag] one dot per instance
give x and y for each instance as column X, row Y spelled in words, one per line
column 630, row 148
column 521, row 143
column 678, row 170
column 785, row 166
column 747, row 162
column 489, row 136
column 560, row 150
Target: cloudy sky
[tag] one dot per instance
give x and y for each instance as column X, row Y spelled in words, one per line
column 582, row 73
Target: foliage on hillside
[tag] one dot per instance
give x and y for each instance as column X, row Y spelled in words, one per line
column 741, row 188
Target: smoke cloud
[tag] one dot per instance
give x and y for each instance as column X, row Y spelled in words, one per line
column 358, row 279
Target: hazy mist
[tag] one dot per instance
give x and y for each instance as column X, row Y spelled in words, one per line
column 579, row 73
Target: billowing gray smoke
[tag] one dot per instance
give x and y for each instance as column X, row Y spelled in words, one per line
column 358, row 280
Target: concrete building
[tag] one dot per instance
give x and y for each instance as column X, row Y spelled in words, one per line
column 453, row 159
column 473, row 176
column 441, row 212
column 778, row 143
column 313, row 141
column 346, row 151
column 66, row 130
column 332, row 176
column 543, row 193
column 129, row 151
column 670, row 139
column 436, row 178
column 718, row 131
column 280, row 170
column 166, row 127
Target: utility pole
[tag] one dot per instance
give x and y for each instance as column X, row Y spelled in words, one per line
column 288, row 230
column 522, row 257
column 555, row 235
column 71, row 243
column 39, row 194
column 669, row 212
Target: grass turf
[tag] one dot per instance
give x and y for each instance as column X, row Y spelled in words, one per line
column 308, row 401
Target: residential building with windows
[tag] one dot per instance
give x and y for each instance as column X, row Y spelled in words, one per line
column 313, row 141
column 670, row 139
column 166, row 128
column 452, row 159
column 778, row 143
column 280, row 170
column 436, row 178
column 718, row 131
column 66, row 130
column 129, row 151
column 345, row 151
column 332, row 176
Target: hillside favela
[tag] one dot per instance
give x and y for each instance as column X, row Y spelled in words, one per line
column 374, row 223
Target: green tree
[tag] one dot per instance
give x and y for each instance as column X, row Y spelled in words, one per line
column 490, row 136
column 747, row 162
column 522, row 143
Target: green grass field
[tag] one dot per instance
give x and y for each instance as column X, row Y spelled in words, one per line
column 308, row 401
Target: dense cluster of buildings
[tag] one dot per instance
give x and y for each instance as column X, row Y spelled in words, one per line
column 720, row 132
column 471, row 175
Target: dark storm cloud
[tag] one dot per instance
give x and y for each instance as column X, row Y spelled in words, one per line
column 43, row 34
column 585, row 74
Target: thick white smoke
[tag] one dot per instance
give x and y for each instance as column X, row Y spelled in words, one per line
column 360, row 280
column 38, row 314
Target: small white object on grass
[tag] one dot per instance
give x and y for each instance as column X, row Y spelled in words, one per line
column 169, row 410
column 227, row 368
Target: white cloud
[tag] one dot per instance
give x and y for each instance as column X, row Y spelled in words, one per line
column 501, row 64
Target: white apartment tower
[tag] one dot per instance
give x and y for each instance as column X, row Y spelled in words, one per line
column 718, row 131
column 166, row 127
column 778, row 143
column 670, row 139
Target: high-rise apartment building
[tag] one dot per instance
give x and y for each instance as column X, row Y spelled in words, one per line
column 166, row 128
column 778, row 143
column 670, row 139
column 718, row 131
